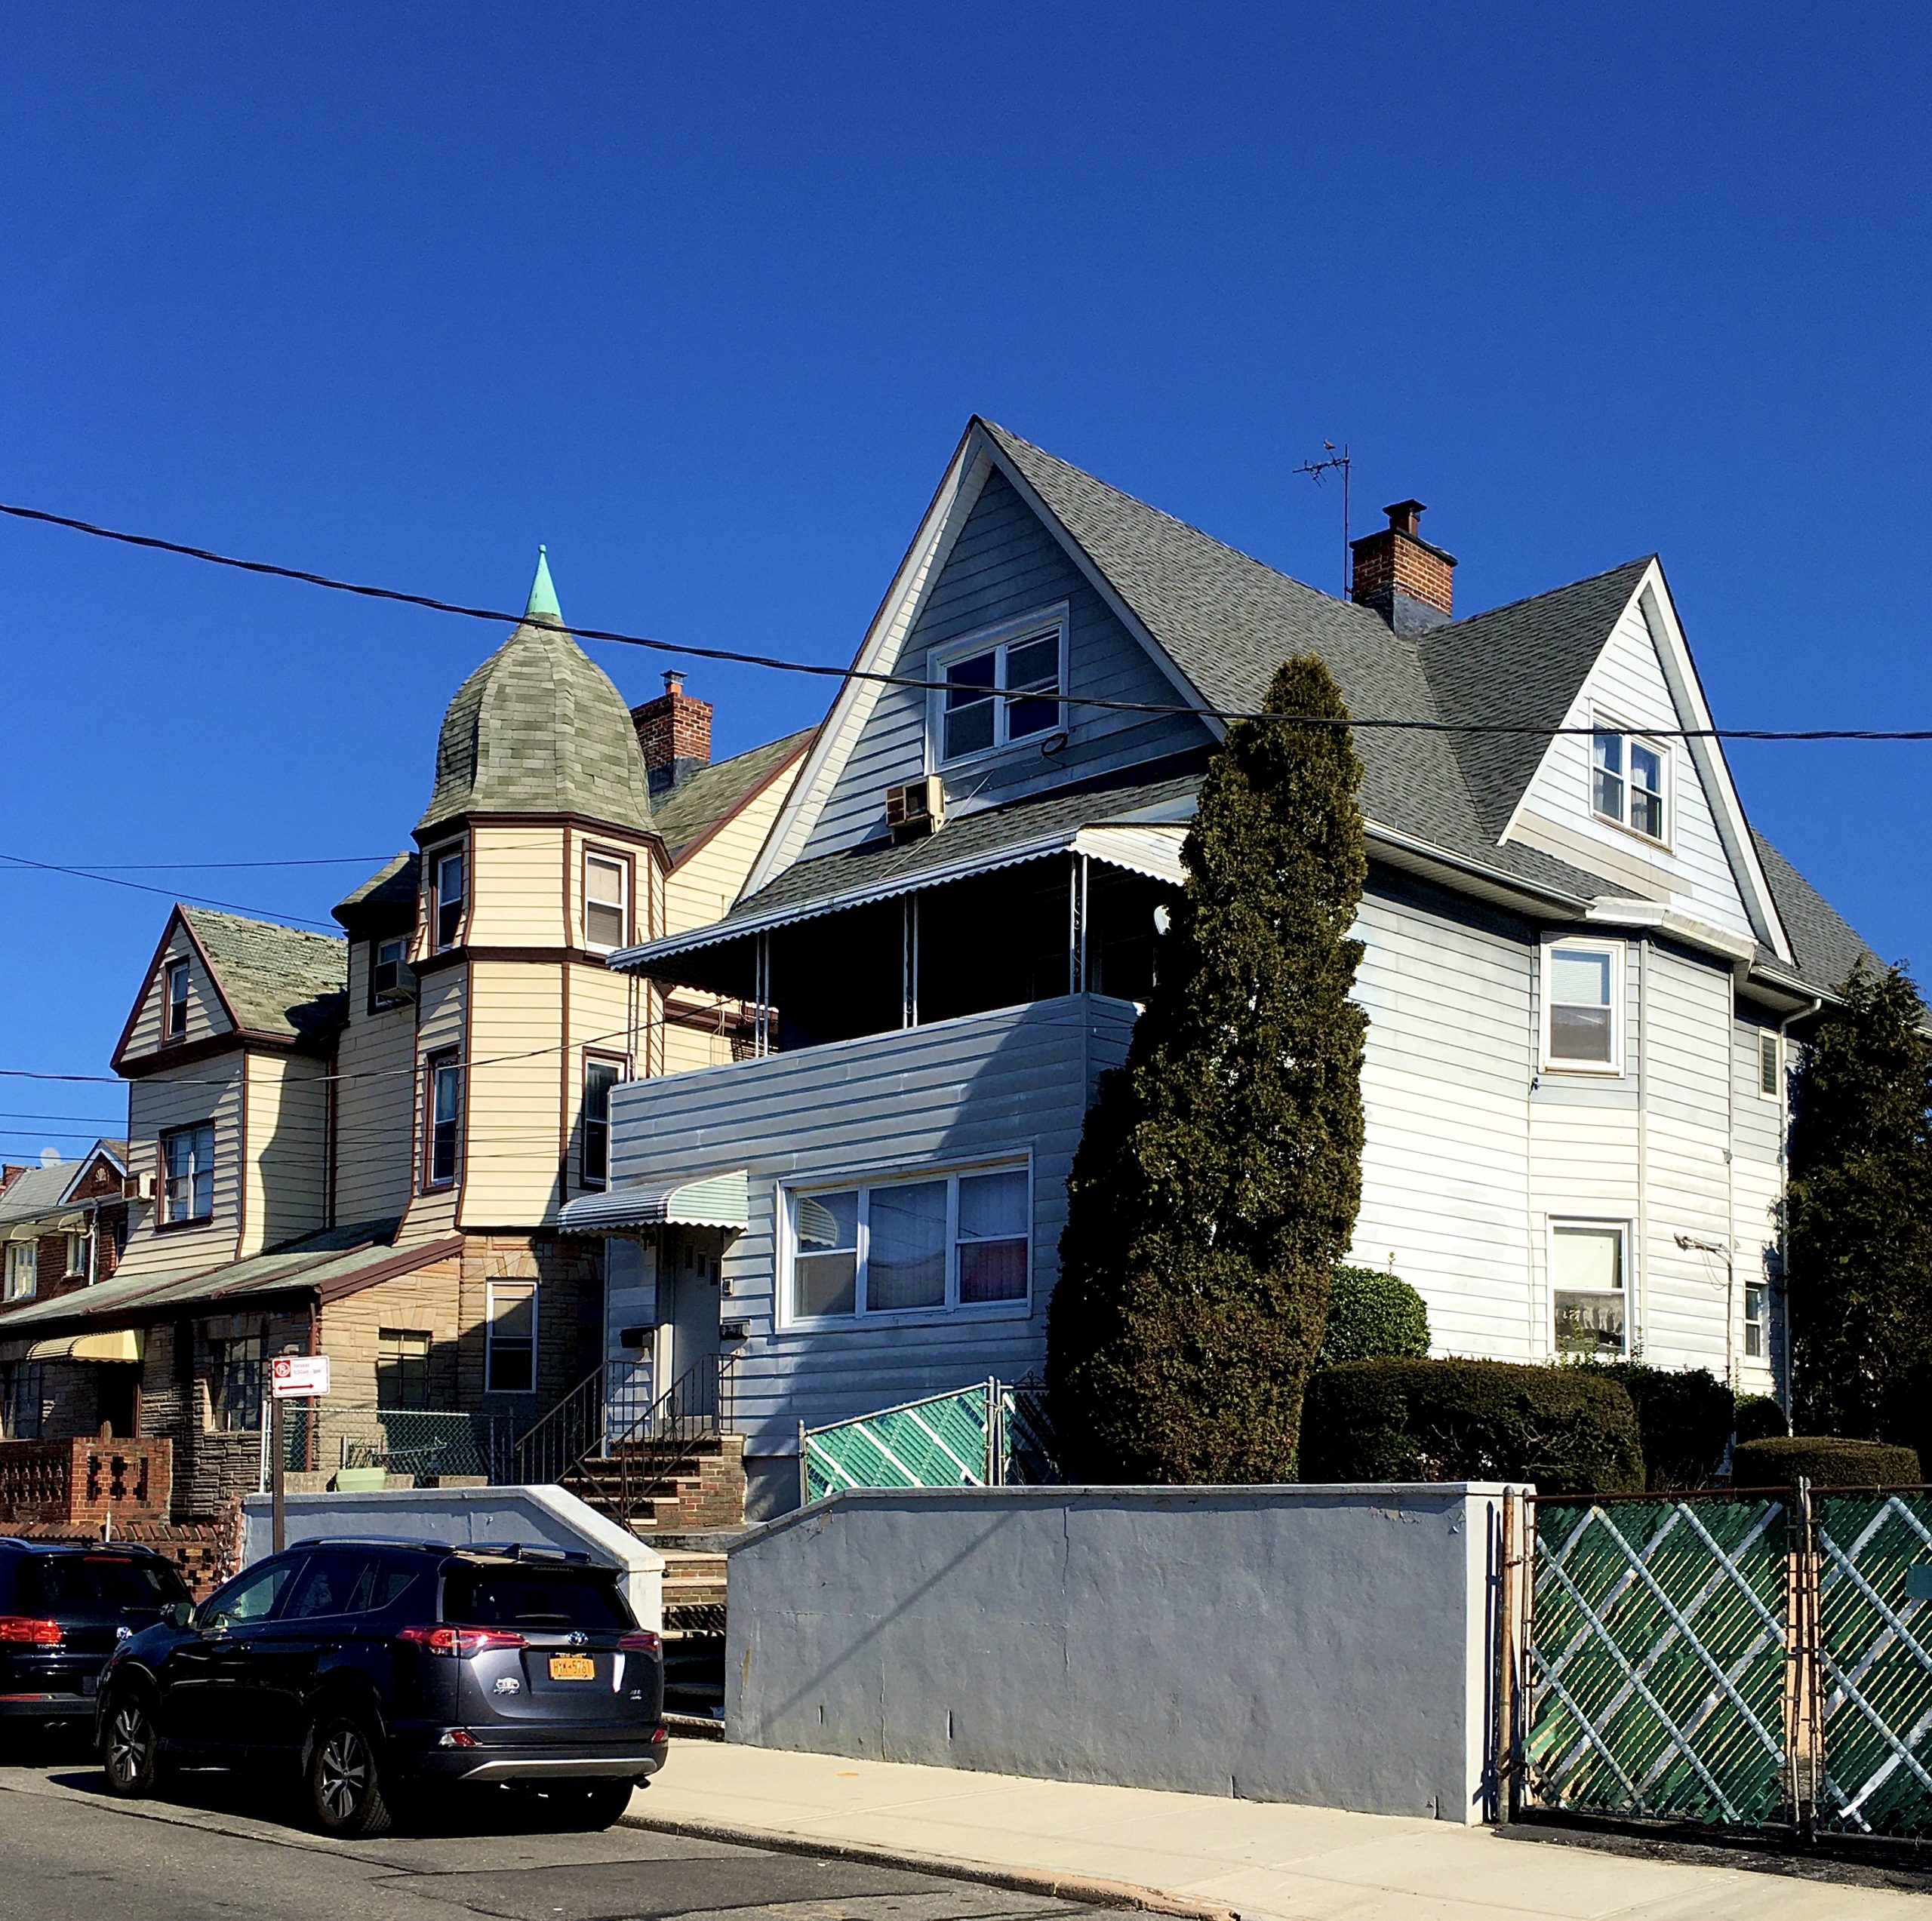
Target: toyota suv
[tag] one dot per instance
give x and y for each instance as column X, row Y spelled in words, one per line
column 371, row 1670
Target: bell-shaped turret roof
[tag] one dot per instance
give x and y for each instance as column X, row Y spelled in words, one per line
column 539, row 729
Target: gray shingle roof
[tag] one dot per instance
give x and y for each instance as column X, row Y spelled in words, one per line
column 36, row 1191
column 393, row 884
column 704, row 798
column 539, row 728
column 1825, row 947
column 279, row 980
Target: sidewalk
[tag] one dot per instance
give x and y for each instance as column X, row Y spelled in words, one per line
column 1265, row 1860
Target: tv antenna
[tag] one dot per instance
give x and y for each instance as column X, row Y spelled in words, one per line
column 1334, row 461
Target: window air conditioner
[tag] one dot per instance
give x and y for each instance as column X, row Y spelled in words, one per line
column 917, row 807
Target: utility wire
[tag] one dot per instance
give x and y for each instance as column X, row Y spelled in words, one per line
column 777, row 663
column 167, row 893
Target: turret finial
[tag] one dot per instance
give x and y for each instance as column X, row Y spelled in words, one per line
column 543, row 603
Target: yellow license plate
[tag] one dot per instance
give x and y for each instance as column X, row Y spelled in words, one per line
column 572, row 1668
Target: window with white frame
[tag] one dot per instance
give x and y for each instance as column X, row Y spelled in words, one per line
column 389, row 976
column 442, row 1104
column 187, row 1158
column 1757, row 1319
column 600, row 1075
column 176, row 976
column 510, row 1362
column 22, row 1268
column 1582, row 991
column 1770, row 1065
column 957, row 1240
column 78, row 1248
column 1587, row 1266
column 979, row 711
column 449, row 894
column 606, row 902
column 1629, row 782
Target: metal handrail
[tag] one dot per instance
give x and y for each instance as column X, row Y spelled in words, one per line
column 695, row 1407
column 580, row 1426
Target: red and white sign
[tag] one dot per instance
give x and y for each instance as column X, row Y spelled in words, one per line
column 293, row 1377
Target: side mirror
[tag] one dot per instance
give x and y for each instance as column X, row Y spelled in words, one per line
column 179, row 1614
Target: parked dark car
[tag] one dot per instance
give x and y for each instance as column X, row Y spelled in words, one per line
column 377, row 1669
column 64, row 1608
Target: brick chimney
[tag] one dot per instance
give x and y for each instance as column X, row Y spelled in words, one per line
column 1399, row 574
column 11, row 1172
column 674, row 732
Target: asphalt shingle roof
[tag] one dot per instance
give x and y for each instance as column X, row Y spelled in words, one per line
column 279, row 980
column 36, row 1191
column 704, row 798
column 1825, row 947
column 393, row 884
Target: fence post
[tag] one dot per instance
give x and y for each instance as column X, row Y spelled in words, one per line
column 804, row 1477
column 996, row 1452
column 1803, row 1717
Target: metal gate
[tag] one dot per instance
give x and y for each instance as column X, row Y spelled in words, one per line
column 1739, row 1660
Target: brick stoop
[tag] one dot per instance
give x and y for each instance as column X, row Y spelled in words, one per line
column 703, row 1491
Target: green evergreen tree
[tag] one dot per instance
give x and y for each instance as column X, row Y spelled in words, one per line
column 1219, row 1173
column 1859, row 1213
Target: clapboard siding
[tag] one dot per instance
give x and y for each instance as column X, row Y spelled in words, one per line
column 181, row 1097
column 375, row 1095
column 512, row 1144
column 517, row 891
column 1627, row 685
column 1014, row 1082
column 708, row 878
column 285, row 1157
column 206, row 1016
column 1005, row 565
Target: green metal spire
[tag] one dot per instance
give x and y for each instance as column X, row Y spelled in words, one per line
column 543, row 604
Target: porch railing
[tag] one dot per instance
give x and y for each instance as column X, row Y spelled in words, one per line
column 696, row 1406
column 606, row 1403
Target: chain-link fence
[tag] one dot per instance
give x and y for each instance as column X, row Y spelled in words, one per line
column 425, row 1446
column 988, row 1434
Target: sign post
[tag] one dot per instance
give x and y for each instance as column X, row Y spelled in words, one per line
column 291, row 1377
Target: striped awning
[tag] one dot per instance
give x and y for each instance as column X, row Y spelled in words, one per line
column 700, row 1201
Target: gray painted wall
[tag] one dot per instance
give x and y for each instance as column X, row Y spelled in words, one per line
column 1329, row 1645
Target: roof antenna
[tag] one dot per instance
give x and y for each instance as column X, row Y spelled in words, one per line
column 1314, row 469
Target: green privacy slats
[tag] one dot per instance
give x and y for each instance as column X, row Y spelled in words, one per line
column 1875, row 1662
column 940, row 1442
column 1657, row 1658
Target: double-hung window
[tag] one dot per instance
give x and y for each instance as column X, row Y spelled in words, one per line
column 957, row 1240
column 78, row 1248
column 402, row 1367
column 599, row 1078
column 1757, row 1318
column 509, row 1363
column 442, row 1106
column 235, row 1383
column 22, row 1268
column 1583, row 990
column 1629, row 782
column 389, row 971
column 449, row 896
column 1587, row 1260
column 187, row 1158
column 607, row 904
column 1000, row 690
column 175, row 978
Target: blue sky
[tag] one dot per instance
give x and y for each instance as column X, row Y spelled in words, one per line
column 703, row 297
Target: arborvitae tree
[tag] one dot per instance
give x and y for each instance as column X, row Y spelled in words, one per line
column 1219, row 1173
column 1859, row 1213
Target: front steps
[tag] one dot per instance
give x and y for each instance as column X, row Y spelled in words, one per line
column 702, row 1491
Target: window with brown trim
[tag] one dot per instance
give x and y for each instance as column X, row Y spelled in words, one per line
column 442, row 1119
column 175, row 975
column 402, row 1367
column 187, row 1170
column 390, row 980
column 449, row 896
column 600, row 1074
column 607, row 902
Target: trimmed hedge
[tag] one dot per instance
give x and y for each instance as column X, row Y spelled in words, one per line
column 1759, row 1418
column 1373, row 1316
column 1683, row 1416
column 1570, row 1430
column 1827, row 1460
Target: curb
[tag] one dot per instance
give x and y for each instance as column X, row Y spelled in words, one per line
column 1017, row 1880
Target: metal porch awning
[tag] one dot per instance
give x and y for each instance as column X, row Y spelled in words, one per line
column 123, row 1344
column 701, row 1200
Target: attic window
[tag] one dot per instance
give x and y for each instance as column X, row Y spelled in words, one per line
column 175, row 973
column 973, row 718
column 1629, row 779
column 449, row 898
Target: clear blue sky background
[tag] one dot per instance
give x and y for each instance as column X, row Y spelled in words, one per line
column 703, row 297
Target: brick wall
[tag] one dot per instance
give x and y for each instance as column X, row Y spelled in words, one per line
column 1392, row 560
column 570, row 1337
column 674, row 730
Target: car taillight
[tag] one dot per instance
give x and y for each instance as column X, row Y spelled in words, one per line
column 459, row 1643
column 23, row 1630
column 642, row 1641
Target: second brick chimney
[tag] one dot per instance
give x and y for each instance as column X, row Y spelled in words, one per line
column 1399, row 574
column 674, row 732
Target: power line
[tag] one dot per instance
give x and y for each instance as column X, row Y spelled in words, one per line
column 166, row 893
column 778, row 664
column 97, row 867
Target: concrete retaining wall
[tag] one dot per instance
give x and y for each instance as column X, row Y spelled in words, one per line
column 1330, row 1646
column 545, row 1515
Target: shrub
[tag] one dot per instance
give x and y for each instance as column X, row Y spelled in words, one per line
column 1683, row 1416
column 1373, row 1316
column 1758, row 1418
column 1570, row 1430
column 1219, row 1170
column 1826, row 1460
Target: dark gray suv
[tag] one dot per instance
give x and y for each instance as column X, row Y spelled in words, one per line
column 377, row 1668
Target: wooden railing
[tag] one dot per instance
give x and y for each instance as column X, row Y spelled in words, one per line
column 85, row 1481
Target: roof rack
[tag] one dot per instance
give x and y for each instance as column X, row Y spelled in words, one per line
column 373, row 1541
column 526, row 1551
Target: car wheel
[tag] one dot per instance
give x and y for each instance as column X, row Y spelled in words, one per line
column 131, row 1745
column 587, row 1807
column 347, row 1793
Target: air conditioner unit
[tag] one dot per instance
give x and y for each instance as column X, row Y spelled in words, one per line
column 145, row 1187
column 917, row 807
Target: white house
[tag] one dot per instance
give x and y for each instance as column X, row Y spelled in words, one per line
column 1582, row 974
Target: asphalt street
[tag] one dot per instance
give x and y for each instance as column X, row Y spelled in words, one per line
column 216, row 1845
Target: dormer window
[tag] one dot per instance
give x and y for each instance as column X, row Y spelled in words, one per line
column 974, row 718
column 449, row 897
column 1629, row 782
column 176, row 997
column 390, row 977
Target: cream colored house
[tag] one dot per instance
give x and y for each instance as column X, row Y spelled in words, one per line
column 360, row 1147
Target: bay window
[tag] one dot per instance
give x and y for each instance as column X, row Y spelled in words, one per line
column 449, row 895
column 442, row 1102
column 600, row 1076
column 930, row 1247
column 607, row 911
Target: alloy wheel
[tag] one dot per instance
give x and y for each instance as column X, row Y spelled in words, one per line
column 344, row 1772
column 130, row 1743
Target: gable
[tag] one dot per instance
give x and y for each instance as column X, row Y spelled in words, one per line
column 1002, row 564
column 1627, row 686
column 208, row 1013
